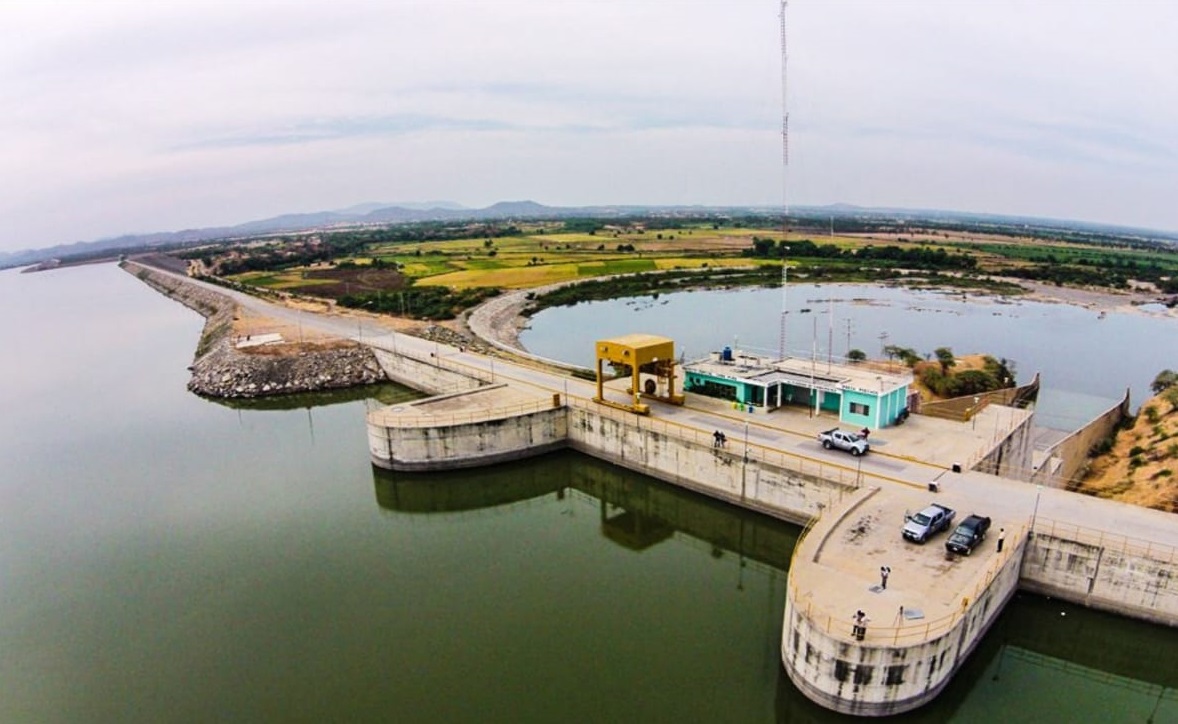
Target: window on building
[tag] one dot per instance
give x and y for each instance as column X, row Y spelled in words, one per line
column 714, row 389
column 858, row 408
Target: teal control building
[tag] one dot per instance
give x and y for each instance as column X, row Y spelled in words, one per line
column 858, row 395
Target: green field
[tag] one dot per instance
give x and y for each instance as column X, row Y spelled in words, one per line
column 537, row 254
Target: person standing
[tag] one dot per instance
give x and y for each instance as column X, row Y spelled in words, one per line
column 884, row 572
column 1001, row 538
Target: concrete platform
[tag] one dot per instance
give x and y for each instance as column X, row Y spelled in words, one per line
column 473, row 406
column 919, row 630
column 926, row 586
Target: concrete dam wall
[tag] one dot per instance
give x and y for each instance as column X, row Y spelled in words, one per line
column 1110, row 572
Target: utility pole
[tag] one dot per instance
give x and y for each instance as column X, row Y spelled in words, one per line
column 830, row 339
column 781, row 346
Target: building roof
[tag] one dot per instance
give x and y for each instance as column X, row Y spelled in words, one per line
column 800, row 372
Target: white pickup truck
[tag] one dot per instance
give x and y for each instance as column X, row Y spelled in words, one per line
column 852, row 442
column 928, row 522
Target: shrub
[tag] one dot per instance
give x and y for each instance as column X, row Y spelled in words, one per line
column 1100, row 448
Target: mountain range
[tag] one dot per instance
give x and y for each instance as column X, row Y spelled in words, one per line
column 378, row 214
column 358, row 215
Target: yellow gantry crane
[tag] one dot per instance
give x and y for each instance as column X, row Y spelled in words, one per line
column 650, row 362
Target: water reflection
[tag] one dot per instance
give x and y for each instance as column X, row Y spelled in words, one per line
column 1043, row 660
column 635, row 512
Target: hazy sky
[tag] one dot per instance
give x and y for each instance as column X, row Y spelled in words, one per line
column 135, row 116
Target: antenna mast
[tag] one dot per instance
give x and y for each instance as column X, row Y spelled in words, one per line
column 781, row 347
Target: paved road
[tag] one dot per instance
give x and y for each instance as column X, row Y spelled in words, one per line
column 1009, row 502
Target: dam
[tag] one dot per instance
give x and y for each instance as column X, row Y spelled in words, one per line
column 922, row 626
column 935, row 608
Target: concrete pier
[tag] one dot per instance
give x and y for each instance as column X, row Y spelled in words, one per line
column 466, row 429
column 918, row 630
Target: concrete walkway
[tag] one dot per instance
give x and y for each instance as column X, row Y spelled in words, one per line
column 905, row 458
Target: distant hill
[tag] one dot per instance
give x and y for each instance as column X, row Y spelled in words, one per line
column 376, row 213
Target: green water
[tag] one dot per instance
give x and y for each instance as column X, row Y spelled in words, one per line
column 167, row 558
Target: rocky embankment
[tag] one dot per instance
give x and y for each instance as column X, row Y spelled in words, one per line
column 222, row 370
column 1138, row 465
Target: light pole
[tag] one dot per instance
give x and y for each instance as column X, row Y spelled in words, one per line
column 1035, row 512
column 744, row 466
column 974, row 415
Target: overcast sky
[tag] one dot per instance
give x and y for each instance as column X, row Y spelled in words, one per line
column 135, row 116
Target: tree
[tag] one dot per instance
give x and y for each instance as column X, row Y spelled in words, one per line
column 856, row 355
column 1164, row 380
column 1001, row 369
column 972, row 382
column 905, row 354
column 945, row 357
column 1171, row 396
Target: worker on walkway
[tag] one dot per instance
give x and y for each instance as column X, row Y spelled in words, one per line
column 1001, row 538
column 859, row 626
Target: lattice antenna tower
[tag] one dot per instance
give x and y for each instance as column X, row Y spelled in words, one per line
column 781, row 347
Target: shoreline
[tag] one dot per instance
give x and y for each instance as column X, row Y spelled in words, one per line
column 500, row 321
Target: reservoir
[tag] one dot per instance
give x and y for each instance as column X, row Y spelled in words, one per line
column 1087, row 360
column 168, row 558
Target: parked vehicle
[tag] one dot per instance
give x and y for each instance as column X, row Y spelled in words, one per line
column 928, row 522
column 852, row 442
column 968, row 535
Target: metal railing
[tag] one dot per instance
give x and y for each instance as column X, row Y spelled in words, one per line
column 743, row 449
column 1115, row 542
column 394, row 417
column 901, row 630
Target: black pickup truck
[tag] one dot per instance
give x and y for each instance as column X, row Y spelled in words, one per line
column 966, row 536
